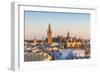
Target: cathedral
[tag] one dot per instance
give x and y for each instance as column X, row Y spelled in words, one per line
column 49, row 35
column 73, row 42
column 70, row 41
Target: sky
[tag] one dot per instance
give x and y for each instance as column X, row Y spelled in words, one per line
column 36, row 24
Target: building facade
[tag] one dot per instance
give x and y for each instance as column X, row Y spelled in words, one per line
column 73, row 42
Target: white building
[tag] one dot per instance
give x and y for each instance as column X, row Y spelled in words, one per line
column 79, row 53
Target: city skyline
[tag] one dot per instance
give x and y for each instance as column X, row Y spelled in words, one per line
column 36, row 24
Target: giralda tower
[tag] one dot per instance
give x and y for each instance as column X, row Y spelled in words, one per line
column 49, row 35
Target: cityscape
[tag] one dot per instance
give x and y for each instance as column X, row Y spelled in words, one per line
column 58, row 47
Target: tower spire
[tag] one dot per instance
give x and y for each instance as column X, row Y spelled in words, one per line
column 68, row 35
column 49, row 34
column 49, row 28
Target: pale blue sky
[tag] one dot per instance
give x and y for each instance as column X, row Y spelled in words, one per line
column 36, row 24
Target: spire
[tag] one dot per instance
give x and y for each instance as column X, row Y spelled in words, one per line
column 49, row 28
column 68, row 35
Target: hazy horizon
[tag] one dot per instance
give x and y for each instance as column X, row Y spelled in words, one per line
column 36, row 24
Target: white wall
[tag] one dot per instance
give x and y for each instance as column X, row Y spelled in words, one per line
column 5, row 34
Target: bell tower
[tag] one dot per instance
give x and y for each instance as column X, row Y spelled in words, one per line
column 49, row 34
